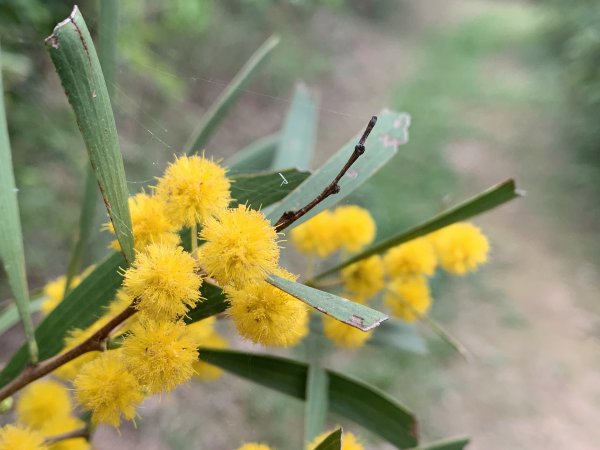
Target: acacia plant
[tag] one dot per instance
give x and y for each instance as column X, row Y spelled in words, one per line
column 204, row 243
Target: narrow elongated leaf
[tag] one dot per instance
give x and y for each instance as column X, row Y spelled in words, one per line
column 390, row 132
column 344, row 310
column 263, row 189
column 255, row 157
column 447, row 444
column 489, row 199
column 11, row 236
column 76, row 62
column 80, row 308
column 317, row 401
column 297, row 142
column 332, row 442
column 352, row 399
column 219, row 109
column 10, row 314
column 213, row 302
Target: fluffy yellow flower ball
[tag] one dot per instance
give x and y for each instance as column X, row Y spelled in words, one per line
column 192, row 190
column 149, row 223
column 165, row 281
column 241, row 247
column 416, row 257
column 105, row 387
column 317, row 236
column 354, row 226
column 461, row 247
column 344, row 335
column 266, row 315
column 408, row 299
column 61, row 425
column 254, row 446
column 42, row 401
column 18, row 438
column 159, row 354
column 364, row 278
column 349, row 441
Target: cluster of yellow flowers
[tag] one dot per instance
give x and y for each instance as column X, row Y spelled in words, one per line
column 458, row 249
column 349, row 442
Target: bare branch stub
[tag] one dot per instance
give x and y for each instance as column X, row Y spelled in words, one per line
column 289, row 217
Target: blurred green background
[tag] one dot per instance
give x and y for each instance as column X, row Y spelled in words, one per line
column 495, row 89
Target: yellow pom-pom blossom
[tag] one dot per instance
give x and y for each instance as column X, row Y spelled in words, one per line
column 42, row 401
column 54, row 292
column 344, row 335
column 408, row 298
column 108, row 389
column 349, row 441
column 317, row 236
column 266, row 315
column 164, row 280
column 241, row 247
column 354, row 226
column 413, row 258
column 192, row 190
column 18, row 438
column 61, row 425
column 364, row 278
column 149, row 223
column 254, row 446
column 159, row 354
column 461, row 247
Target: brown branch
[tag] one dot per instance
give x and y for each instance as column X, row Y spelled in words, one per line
column 93, row 343
column 80, row 433
column 289, row 217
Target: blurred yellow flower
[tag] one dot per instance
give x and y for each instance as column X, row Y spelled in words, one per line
column 61, row 425
column 354, row 227
column 254, row 446
column 349, row 441
column 42, row 401
column 344, row 335
column 317, row 236
column 409, row 298
column 416, row 257
column 19, row 438
column 461, row 247
column 364, row 278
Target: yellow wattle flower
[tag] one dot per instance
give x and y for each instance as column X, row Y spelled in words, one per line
column 343, row 335
column 61, row 425
column 42, row 401
column 149, row 223
column 193, row 189
column 165, row 281
column 317, row 236
column 241, row 247
column 461, row 247
column 416, row 257
column 364, row 278
column 105, row 387
column 159, row 354
column 254, row 446
column 408, row 298
column 266, row 315
column 54, row 290
column 349, row 441
column 19, row 438
column 354, row 226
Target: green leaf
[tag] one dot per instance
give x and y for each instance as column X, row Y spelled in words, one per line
column 382, row 144
column 80, row 308
column 11, row 236
column 213, row 303
column 489, row 199
column 332, row 442
column 108, row 24
column 297, row 141
column 255, row 157
column 263, row 189
column 396, row 335
column 344, row 310
column 317, row 401
column 447, row 444
column 219, row 109
column 10, row 315
column 349, row 398
column 76, row 62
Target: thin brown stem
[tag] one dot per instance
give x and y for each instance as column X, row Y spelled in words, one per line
column 80, row 433
column 289, row 217
column 93, row 343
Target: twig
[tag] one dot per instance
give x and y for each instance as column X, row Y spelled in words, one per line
column 93, row 343
column 80, row 433
column 289, row 217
